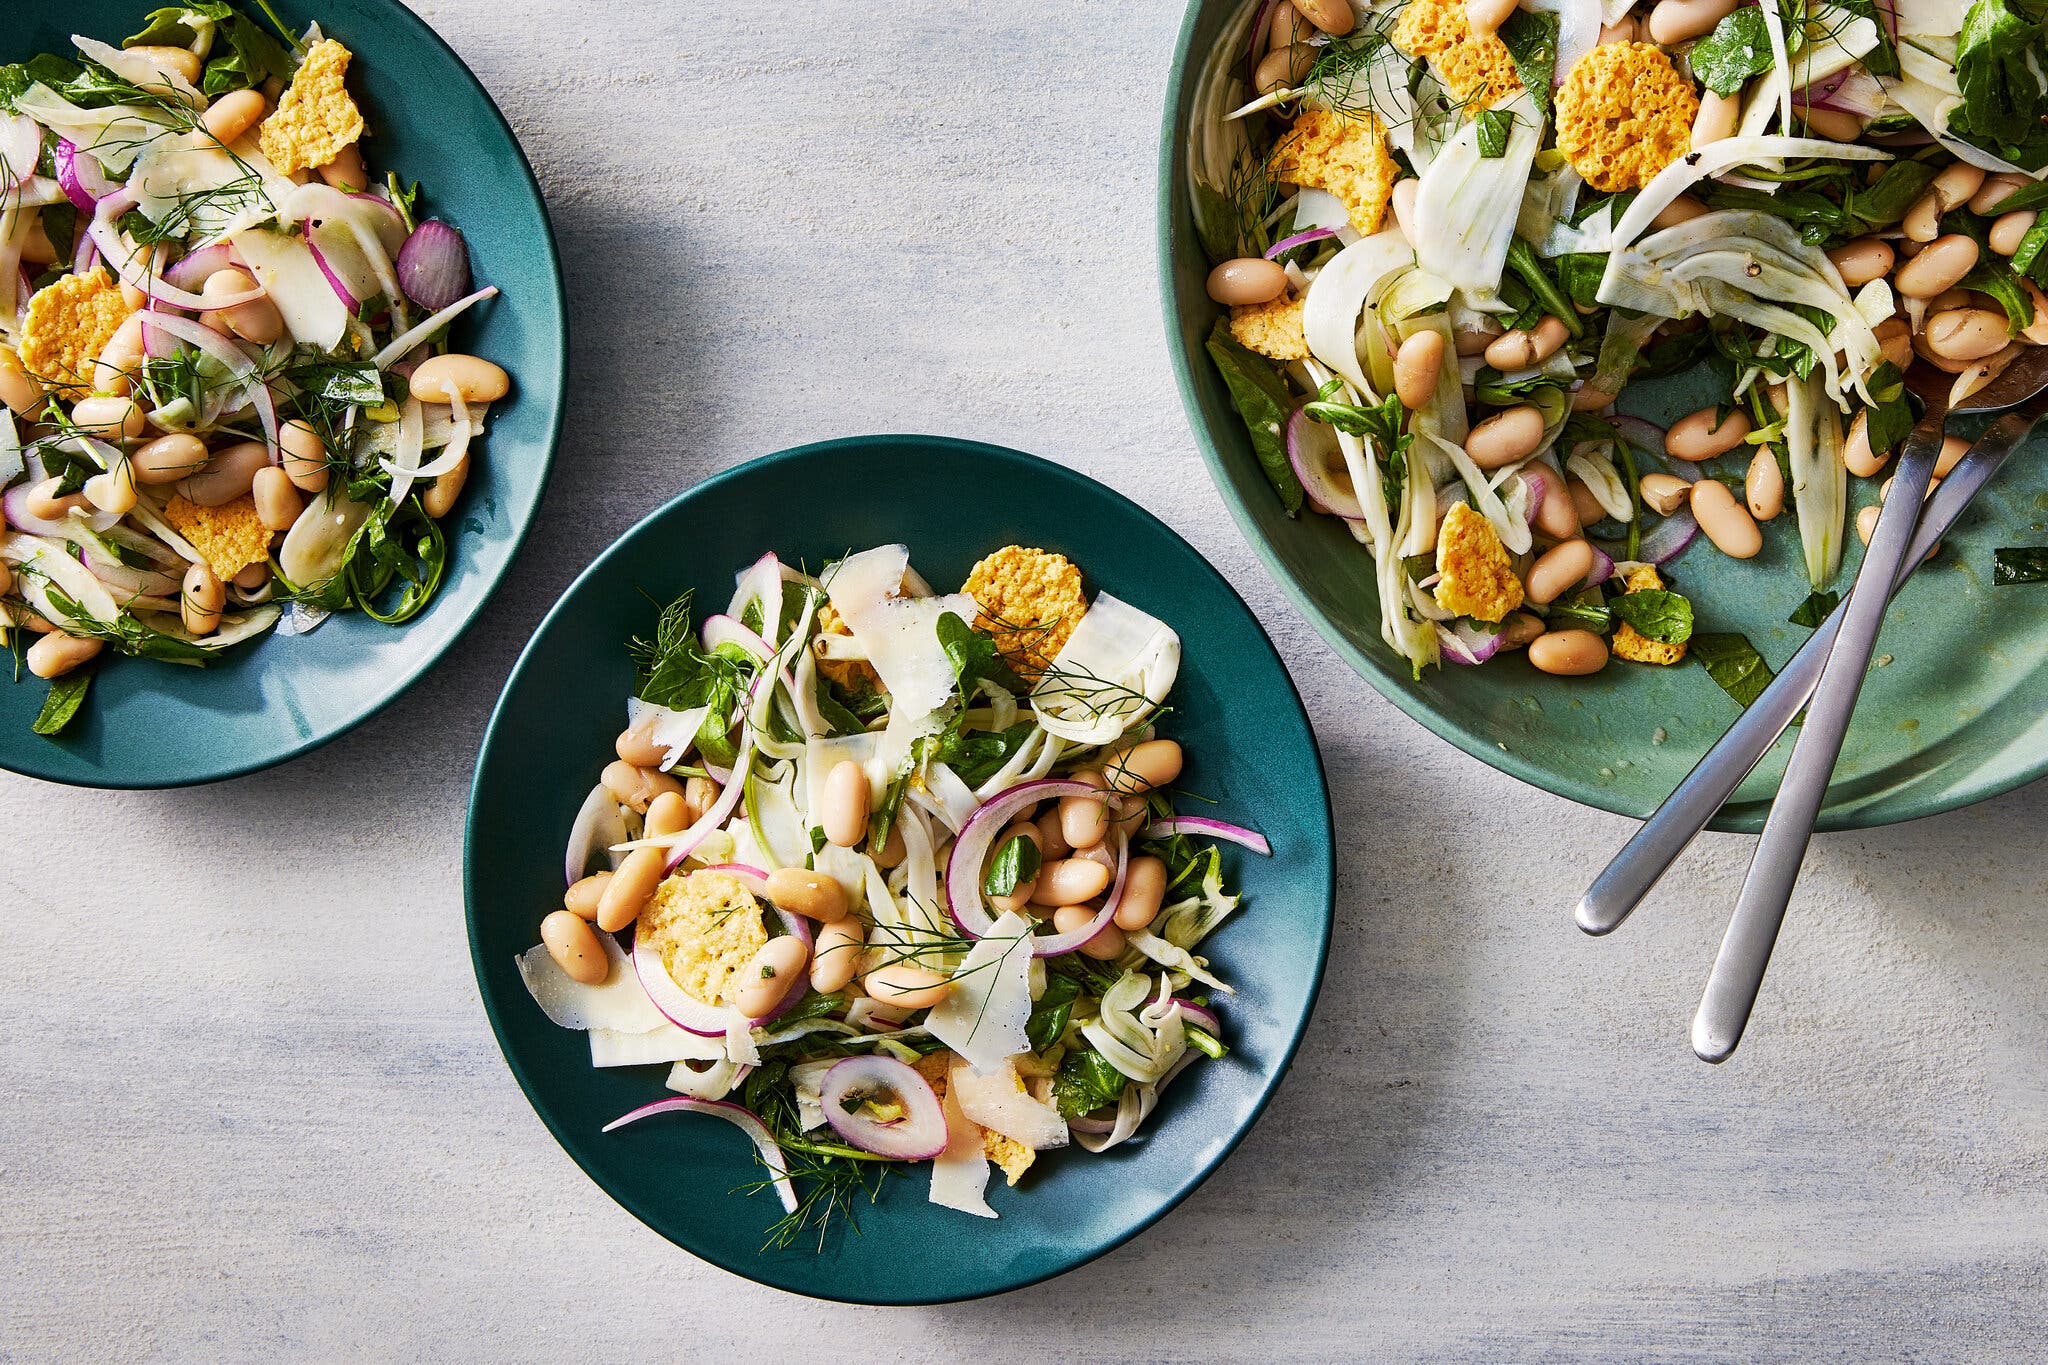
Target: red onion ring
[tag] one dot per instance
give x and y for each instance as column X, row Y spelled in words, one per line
column 1462, row 644
column 1213, row 829
column 1287, row 244
column 919, row 1135
column 1054, row 945
column 1308, row 441
column 977, row 836
column 84, row 181
column 1204, row 1017
column 741, row 1118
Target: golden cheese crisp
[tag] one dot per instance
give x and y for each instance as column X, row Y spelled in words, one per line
column 1272, row 329
column 707, row 928
column 230, row 537
column 1478, row 575
column 1624, row 114
column 1030, row 601
column 315, row 119
column 69, row 322
column 1633, row 645
column 1475, row 67
column 1345, row 154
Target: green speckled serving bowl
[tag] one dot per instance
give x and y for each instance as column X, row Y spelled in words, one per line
column 149, row 724
column 1956, row 711
column 1249, row 747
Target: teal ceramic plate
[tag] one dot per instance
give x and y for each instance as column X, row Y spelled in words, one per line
column 147, row 724
column 951, row 501
column 1958, row 713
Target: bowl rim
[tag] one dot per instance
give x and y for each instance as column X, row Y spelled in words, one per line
column 1896, row 808
column 400, row 682
column 1322, row 842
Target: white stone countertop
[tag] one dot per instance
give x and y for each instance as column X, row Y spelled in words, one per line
column 250, row 1108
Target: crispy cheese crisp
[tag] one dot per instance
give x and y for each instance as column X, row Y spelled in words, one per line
column 707, row 928
column 1012, row 1157
column 1272, row 329
column 1345, row 154
column 1629, row 643
column 854, row 675
column 1030, row 600
column 1478, row 575
column 315, row 119
column 69, row 322
column 1624, row 114
column 1475, row 67
column 231, row 537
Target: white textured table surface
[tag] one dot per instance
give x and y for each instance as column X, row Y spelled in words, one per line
column 249, row 1106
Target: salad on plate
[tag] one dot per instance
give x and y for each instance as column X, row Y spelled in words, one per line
column 230, row 403
column 1448, row 234
column 888, row 877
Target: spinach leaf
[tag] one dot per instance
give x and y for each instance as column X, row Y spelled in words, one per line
column 1523, row 260
column 1656, row 613
column 1815, row 609
column 1015, row 863
column 1991, row 275
column 814, row 1005
column 1585, row 611
column 1085, row 1082
column 1886, row 201
column 45, row 68
column 1263, row 402
column 1379, row 423
column 1531, row 40
column 1579, row 272
column 975, row 658
column 1737, row 49
column 1890, row 418
column 2019, row 564
column 243, row 53
column 1050, row 1014
column 2003, row 98
column 396, row 545
column 976, row 755
column 1494, row 127
column 1733, row 663
column 67, row 694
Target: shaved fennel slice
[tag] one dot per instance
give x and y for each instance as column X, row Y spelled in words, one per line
column 1336, row 298
column 44, row 561
column 960, row 1173
column 617, row 1003
column 1820, row 481
column 1578, row 30
column 115, row 134
column 313, row 313
column 1778, row 79
column 1594, row 464
column 135, row 67
column 1467, row 204
column 983, row 1017
column 1112, row 673
column 1513, row 531
column 714, row 1082
column 1135, row 1107
column 1717, row 157
column 614, row 1047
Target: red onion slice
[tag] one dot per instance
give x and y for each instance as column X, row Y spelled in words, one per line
column 740, row 1117
column 334, row 281
column 1602, row 570
column 134, row 272
column 1287, row 244
column 84, row 181
column 1213, row 829
column 1313, row 451
column 1643, row 435
column 1203, row 1017
column 681, row 1008
column 433, row 265
column 1460, row 643
column 192, row 272
column 756, row 881
column 919, row 1135
column 1262, row 29
column 978, row 834
column 725, row 630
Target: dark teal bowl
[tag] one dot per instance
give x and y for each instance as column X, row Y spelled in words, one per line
column 951, row 501
column 148, row 724
column 1953, row 713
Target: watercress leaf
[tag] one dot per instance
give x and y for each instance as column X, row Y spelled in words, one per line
column 1015, row 863
column 1656, row 613
column 1053, row 1010
column 1737, row 49
column 2003, row 96
column 1815, row 609
column 2019, row 564
column 975, row 658
column 1263, row 402
column 67, row 694
column 1734, row 664
column 1494, row 127
column 1085, row 1082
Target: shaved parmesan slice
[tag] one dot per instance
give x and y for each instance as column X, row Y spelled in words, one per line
column 313, row 313
column 900, row 638
column 609, row 1047
column 616, row 1003
column 1111, row 674
column 846, row 867
column 960, row 1173
column 211, row 192
column 983, row 1017
column 675, row 731
column 739, row 1041
column 1329, row 313
column 998, row 1102
column 715, row 1082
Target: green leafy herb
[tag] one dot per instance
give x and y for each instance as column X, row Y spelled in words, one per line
column 1882, row 60
column 1379, row 423
column 402, row 546
column 1494, row 127
column 1531, row 40
column 1585, row 610
column 975, row 658
column 2019, row 564
column 43, row 69
column 1888, row 420
column 1085, row 1082
column 977, row 755
column 1050, row 1015
column 1579, row 272
column 1523, row 260
column 1886, row 201
column 1015, row 863
column 1738, row 49
column 1815, row 609
column 1656, row 613
column 673, row 670
column 67, row 694
column 1734, row 664
column 244, row 54
column 1263, row 402
column 1992, row 275
column 2003, row 97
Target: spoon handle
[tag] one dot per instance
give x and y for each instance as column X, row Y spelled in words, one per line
column 1621, row 886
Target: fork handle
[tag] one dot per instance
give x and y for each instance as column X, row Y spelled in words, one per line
column 1738, row 972
column 1639, row 865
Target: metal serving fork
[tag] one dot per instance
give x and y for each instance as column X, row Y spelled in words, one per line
column 1653, row 848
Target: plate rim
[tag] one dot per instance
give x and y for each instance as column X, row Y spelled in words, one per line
column 404, row 680
column 1908, row 804
column 1324, row 846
